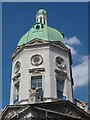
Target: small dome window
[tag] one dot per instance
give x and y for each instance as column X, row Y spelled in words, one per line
column 37, row 27
column 44, row 21
column 40, row 19
column 42, row 26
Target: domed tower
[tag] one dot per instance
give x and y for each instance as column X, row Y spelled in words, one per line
column 41, row 66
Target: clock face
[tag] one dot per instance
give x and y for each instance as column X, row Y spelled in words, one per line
column 60, row 62
column 17, row 67
column 36, row 60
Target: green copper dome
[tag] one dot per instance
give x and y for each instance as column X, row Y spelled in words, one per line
column 42, row 32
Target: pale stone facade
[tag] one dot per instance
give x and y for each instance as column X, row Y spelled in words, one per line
column 49, row 54
column 41, row 63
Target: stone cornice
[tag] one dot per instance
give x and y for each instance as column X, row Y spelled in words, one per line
column 39, row 43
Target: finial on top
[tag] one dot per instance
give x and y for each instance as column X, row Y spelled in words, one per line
column 41, row 17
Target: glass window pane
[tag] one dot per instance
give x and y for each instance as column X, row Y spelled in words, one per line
column 16, row 98
column 60, row 87
column 40, row 84
column 17, row 89
column 60, row 94
column 36, row 81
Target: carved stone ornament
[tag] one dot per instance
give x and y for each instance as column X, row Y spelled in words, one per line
column 9, row 114
column 36, row 60
column 60, row 63
column 17, row 67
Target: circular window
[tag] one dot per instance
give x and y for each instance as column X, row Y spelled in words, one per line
column 60, row 62
column 17, row 67
column 36, row 60
column 37, row 27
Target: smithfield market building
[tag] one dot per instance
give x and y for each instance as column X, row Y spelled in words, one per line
column 41, row 81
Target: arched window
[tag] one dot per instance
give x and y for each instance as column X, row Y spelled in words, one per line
column 44, row 21
column 40, row 19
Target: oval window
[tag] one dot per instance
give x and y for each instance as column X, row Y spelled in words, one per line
column 60, row 62
column 17, row 67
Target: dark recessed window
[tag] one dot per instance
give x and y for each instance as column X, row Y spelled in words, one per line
column 44, row 21
column 40, row 19
column 37, row 27
column 42, row 26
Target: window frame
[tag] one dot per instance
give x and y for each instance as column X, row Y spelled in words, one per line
column 16, row 93
column 37, row 83
column 58, row 90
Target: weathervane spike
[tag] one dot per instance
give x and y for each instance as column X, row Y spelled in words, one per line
column 41, row 6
